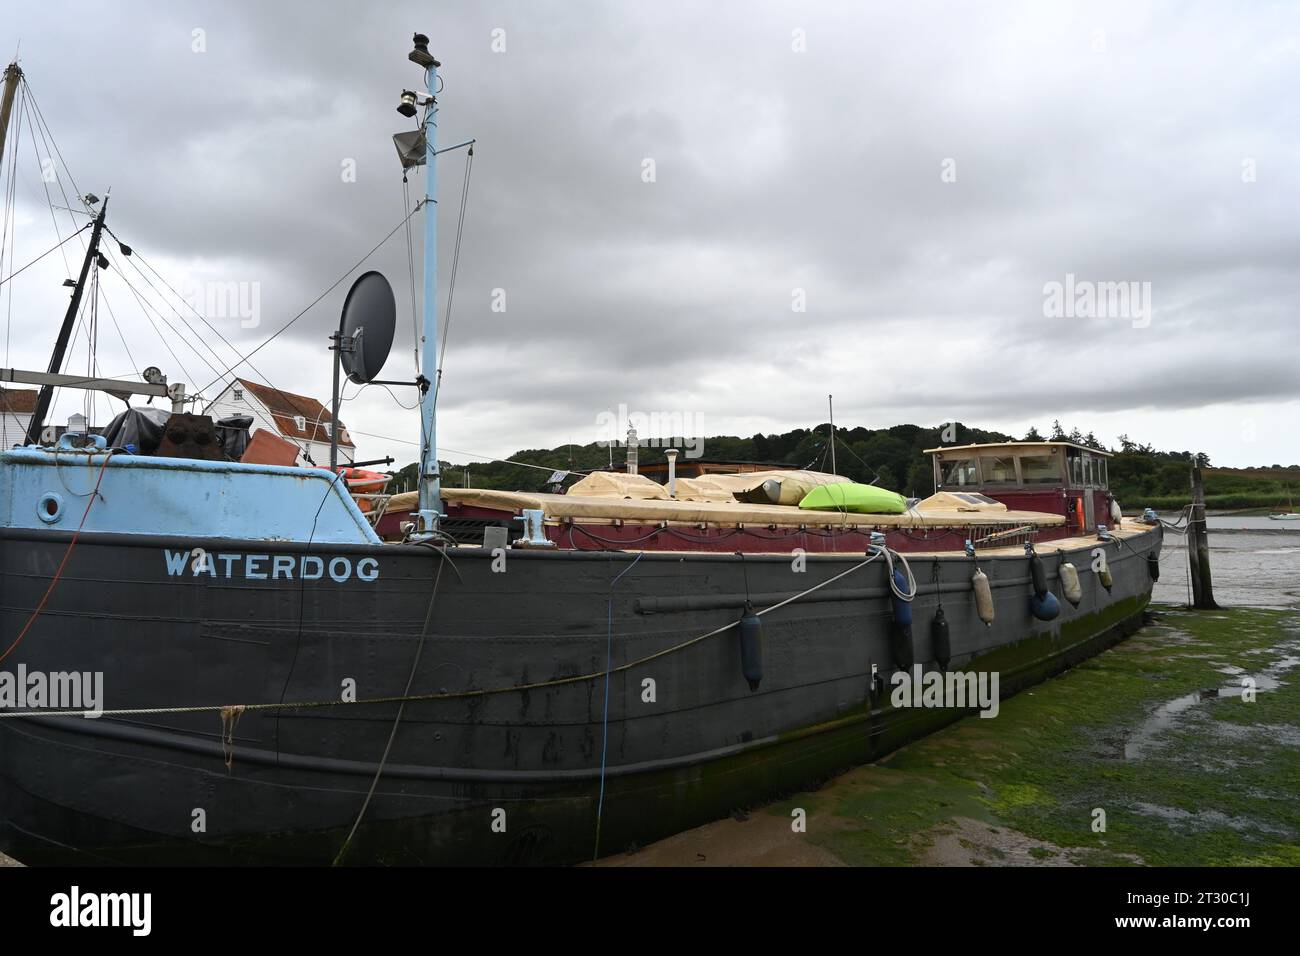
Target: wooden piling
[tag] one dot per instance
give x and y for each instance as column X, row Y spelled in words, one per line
column 1198, row 547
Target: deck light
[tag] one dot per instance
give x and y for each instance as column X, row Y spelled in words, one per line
column 407, row 106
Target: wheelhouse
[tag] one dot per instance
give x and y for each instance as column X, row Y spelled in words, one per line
column 1051, row 476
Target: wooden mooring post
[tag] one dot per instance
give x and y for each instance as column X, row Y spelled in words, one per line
column 1198, row 547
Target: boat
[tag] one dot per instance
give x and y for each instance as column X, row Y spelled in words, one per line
column 476, row 676
column 1285, row 516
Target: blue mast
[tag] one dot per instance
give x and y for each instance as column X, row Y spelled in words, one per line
column 430, row 504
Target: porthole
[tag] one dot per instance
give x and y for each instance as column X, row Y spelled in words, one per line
column 50, row 508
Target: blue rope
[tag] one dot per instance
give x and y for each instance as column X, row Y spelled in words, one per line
column 609, row 655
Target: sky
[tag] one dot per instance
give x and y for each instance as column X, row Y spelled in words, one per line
column 1001, row 213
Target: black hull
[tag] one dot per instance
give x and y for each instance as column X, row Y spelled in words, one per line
column 125, row 789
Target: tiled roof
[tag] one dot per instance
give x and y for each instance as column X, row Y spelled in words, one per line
column 286, row 406
column 18, row 400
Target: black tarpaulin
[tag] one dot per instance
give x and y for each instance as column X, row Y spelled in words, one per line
column 139, row 428
column 233, row 434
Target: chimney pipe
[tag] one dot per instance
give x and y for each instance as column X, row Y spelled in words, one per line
column 631, row 451
column 672, row 472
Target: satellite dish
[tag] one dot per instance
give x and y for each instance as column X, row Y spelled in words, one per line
column 369, row 315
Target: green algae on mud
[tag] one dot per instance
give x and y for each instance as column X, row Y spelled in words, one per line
column 1153, row 732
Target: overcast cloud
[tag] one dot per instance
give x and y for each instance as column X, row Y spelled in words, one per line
column 1114, row 142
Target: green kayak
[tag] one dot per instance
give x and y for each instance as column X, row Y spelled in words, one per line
column 855, row 498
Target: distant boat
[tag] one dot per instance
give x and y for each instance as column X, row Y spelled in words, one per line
column 1288, row 515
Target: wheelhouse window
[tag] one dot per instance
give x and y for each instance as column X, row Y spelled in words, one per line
column 1040, row 469
column 997, row 470
column 1076, row 472
column 957, row 472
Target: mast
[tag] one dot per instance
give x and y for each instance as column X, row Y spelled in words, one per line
column 430, row 498
column 37, row 422
column 830, row 402
column 13, row 73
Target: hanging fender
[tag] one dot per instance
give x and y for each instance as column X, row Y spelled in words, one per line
column 751, row 647
column 1044, row 606
column 1038, row 574
column 901, row 632
column 983, row 596
column 1103, row 571
column 1070, row 586
column 940, row 640
column 1153, row 566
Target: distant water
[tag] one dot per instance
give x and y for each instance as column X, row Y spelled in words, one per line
column 1254, row 561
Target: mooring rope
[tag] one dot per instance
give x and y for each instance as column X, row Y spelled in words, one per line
column 604, row 720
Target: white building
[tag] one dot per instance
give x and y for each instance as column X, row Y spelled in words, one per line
column 296, row 418
column 16, row 408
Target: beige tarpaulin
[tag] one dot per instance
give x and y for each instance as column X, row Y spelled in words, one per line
column 613, row 484
column 595, row 510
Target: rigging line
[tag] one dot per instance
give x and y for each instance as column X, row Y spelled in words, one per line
column 332, row 287
column 47, row 138
column 162, row 298
column 45, row 183
column 161, row 337
column 18, row 272
column 286, row 396
column 41, row 116
column 604, row 722
column 120, row 336
column 401, row 709
column 873, row 471
column 146, row 304
column 455, row 264
column 135, row 254
column 410, row 272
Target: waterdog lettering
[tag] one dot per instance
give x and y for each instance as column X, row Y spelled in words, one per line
column 261, row 567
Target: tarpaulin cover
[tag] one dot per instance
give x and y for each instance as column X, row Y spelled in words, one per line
column 233, row 432
column 595, row 509
column 141, row 427
column 613, row 484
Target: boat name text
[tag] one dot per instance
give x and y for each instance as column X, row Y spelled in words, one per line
column 267, row 567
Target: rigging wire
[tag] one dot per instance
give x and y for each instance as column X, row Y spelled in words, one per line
column 410, row 272
column 243, row 360
column 286, row 396
column 455, row 264
column 18, row 272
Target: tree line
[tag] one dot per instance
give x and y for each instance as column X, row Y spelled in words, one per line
column 891, row 458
